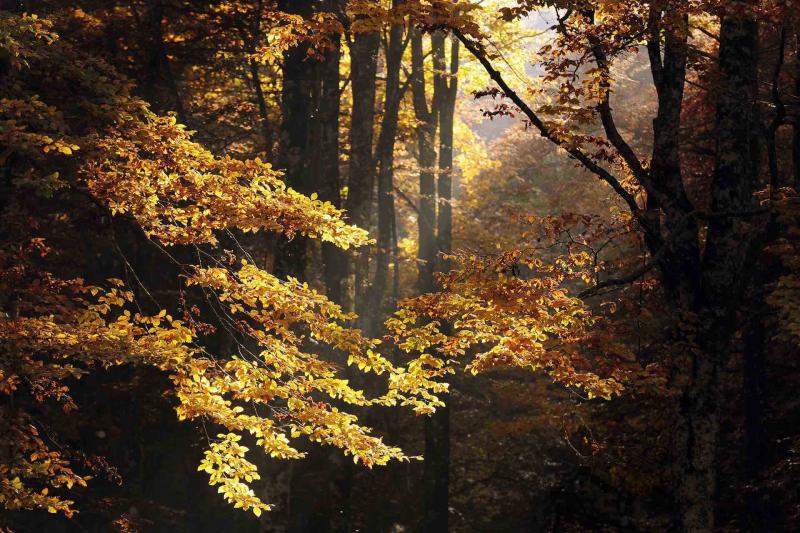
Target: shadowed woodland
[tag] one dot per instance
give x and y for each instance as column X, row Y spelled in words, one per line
column 399, row 265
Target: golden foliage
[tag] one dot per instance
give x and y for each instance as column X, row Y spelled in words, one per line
column 503, row 319
column 145, row 169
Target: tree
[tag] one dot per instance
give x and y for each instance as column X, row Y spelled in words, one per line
column 703, row 282
column 629, row 341
column 119, row 161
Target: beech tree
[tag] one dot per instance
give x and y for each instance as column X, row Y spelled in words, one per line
column 535, row 259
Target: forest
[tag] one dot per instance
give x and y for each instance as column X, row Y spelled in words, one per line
column 399, row 266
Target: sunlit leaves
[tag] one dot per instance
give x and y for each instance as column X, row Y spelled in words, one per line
column 106, row 154
column 227, row 467
column 509, row 310
column 180, row 193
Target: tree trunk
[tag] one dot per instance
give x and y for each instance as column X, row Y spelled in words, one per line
column 436, row 476
column 296, row 118
column 753, row 392
column 385, row 158
column 680, row 265
column 449, row 89
column 427, row 120
column 326, row 155
column 252, row 41
column 796, row 126
column 158, row 73
column 261, row 101
column 735, row 179
column 361, row 183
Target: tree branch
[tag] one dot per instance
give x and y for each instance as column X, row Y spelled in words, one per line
column 607, row 117
column 477, row 51
column 624, row 280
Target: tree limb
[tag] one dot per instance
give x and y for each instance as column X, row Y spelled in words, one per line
column 476, row 50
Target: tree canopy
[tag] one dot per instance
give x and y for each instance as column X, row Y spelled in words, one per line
column 535, row 259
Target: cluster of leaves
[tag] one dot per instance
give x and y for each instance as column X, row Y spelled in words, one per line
column 180, row 193
column 60, row 331
column 515, row 309
column 116, row 157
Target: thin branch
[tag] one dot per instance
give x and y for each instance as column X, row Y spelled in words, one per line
column 408, row 200
column 625, row 280
column 659, row 255
column 475, row 49
column 607, row 116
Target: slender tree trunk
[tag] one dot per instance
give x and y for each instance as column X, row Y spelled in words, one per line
column 252, row 41
column 385, row 158
column 796, row 126
column 296, row 116
column 361, row 183
column 158, row 70
column 326, row 154
column 449, row 88
column 303, row 158
column 753, row 391
column 681, row 265
column 427, row 122
column 261, row 101
column 437, row 426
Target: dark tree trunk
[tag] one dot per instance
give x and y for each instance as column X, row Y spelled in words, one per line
column 760, row 515
column 326, row 155
column 796, row 127
column 158, row 75
column 427, row 120
column 361, row 184
column 263, row 113
column 436, row 475
column 723, row 275
column 437, row 426
column 448, row 86
column 309, row 154
column 252, row 41
column 737, row 155
column 295, row 138
column 385, row 159
column 705, row 286
column 753, row 393
column 680, row 265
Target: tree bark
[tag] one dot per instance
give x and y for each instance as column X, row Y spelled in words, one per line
column 796, row 126
column 158, row 70
column 385, row 159
column 252, row 41
column 734, row 181
column 361, row 183
column 436, row 475
column 680, row 265
column 326, row 155
column 427, row 122
column 295, row 139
